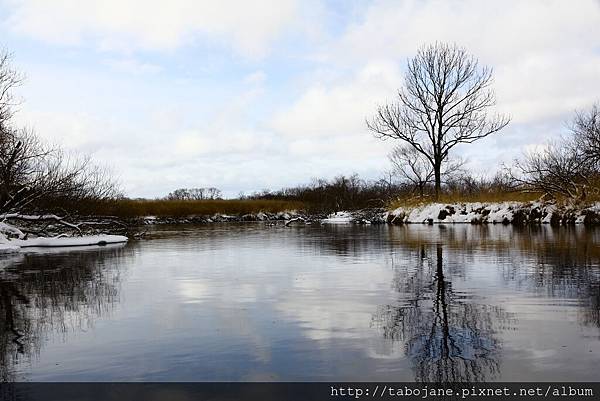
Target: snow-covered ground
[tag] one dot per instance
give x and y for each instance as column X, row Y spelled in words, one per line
column 458, row 213
column 476, row 213
column 501, row 212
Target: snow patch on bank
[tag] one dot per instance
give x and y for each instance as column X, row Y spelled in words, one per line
column 496, row 213
column 14, row 245
column 339, row 218
column 517, row 213
column 475, row 212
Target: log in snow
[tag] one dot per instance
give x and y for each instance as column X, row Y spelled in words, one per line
column 27, row 217
column 69, row 241
column 290, row 221
column 13, row 245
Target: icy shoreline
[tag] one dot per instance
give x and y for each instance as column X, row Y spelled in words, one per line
column 15, row 245
column 516, row 213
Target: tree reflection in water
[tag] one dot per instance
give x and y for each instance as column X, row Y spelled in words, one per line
column 40, row 293
column 448, row 337
column 567, row 266
column 448, row 334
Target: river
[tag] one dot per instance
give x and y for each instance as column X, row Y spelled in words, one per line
column 251, row 302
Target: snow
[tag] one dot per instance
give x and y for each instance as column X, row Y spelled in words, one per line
column 459, row 213
column 8, row 229
column 38, row 218
column 14, row 245
column 477, row 212
column 5, row 245
column 7, row 248
column 550, row 209
column 68, row 249
column 338, row 218
column 284, row 215
column 69, row 241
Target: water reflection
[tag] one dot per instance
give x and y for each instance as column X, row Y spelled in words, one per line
column 250, row 302
column 58, row 291
column 448, row 338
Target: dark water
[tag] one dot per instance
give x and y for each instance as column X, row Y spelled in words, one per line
column 250, row 302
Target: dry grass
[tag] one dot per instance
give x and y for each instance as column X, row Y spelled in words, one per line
column 169, row 208
column 485, row 197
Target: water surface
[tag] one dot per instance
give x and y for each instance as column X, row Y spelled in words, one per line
column 252, row 302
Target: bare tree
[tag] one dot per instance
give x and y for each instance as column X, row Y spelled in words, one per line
column 32, row 171
column 444, row 102
column 586, row 132
column 178, row 194
column 214, row 193
column 465, row 183
column 195, row 194
column 558, row 169
column 387, row 182
column 413, row 167
column 570, row 167
column 9, row 80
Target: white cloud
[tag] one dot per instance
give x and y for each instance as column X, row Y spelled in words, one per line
column 545, row 55
column 496, row 31
column 198, row 143
column 300, row 112
column 132, row 66
column 255, row 78
column 548, row 86
column 250, row 27
column 339, row 108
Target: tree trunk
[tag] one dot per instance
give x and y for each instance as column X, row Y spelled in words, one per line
column 441, row 303
column 437, row 169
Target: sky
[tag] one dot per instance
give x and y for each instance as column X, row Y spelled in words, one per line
column 246, row 96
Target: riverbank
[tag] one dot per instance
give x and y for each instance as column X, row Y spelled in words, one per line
column 506, row 213
column 516, row 213
column 166, row 208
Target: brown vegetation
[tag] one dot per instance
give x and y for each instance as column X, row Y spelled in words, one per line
column 457, row 197
column 181, row 208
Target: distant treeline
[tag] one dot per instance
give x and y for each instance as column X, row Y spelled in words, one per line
column 352, row 192
column 128, row 208
column 210, row 193
column 339, row 193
